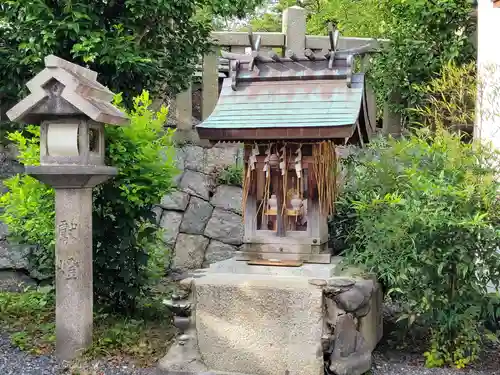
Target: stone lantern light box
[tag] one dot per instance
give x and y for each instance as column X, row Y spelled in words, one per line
column 71, row 108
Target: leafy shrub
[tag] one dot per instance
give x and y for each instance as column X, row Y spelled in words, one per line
column 427, row 223
column 450, row 99
column 125, row 234
column 230, row 175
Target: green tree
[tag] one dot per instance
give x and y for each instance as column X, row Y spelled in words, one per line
column 133, row 44
column 425, row 36
column 362, row 18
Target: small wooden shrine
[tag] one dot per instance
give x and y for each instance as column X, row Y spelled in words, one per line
column 291, row 113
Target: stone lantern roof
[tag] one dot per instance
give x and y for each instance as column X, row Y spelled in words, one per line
column 66, row 89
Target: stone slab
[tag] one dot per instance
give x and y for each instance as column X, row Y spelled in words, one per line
column 259, row 324
column 307, row 270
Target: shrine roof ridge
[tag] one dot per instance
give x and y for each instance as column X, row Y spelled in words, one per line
column 304, row 64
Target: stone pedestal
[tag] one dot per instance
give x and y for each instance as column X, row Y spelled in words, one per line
column 74, row 288
column 259, row 320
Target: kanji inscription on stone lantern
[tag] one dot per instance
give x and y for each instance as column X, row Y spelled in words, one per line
column 71, row 108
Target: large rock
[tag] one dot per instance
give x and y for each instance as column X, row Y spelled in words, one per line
column 9, row 166
column 228, row 198
column 222, row 156
column 218, row 251
column 13, row 257
column 207, row 160
column 180, row 158
column 196, row 217
column 358, row 363
column 196, row 183
column 351, row 355
column 346, row 336
column 13, row 281
column 176, row 181
column 226, row 227
column 189, row 251
column 170, row 223
column 157, row 211
column 4, row 231
column 175, row 201
column 194, row 158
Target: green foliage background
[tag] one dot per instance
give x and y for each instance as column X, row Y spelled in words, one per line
column 133, row 44
column 425, row 36
column 127, row 248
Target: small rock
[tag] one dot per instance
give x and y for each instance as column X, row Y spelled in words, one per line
column 175, row 201
column 318, row 282
column 366, row 287
column 341, row 282
column 332, row 311
column 196, row 217
column 332, row 291
column 170, row 223
column 351, row 300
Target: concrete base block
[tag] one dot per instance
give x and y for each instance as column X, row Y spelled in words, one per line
column 268, row 320
column 263, row 324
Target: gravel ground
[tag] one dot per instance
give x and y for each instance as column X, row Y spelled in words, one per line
column 15, row 362
column 412, row 364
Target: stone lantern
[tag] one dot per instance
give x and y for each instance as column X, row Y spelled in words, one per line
column 71, row 108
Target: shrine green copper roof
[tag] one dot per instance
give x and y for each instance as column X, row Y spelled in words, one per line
column 287, row 100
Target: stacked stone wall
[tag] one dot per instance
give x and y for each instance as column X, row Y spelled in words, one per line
column 201, row 219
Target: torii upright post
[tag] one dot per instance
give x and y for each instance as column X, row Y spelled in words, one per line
column 71, row 107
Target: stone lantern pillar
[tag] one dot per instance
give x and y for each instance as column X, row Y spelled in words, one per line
column 71, row 108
